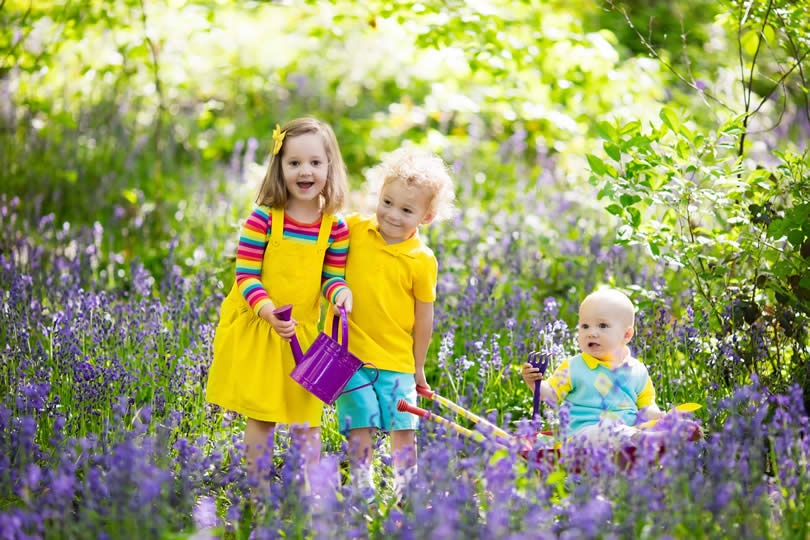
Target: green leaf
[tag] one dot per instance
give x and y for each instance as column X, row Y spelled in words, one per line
column 769, row 33
column 669, row 118
column 626, row 199
column 642, row 142
column 749, row 42
column 654, row 248
column 606, row 131
column 613, row 151
column 796, row 237
column 777, row 228
column 555, row 477
column 635, row 216
column 615, row 209
column 630, row 127
column 782, row 269
column 682, row 148
column 596, row 164
column 607, row 191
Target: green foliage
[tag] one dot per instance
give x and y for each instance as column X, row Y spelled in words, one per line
column 675, row 27
column 691, row 194
column 739, row 233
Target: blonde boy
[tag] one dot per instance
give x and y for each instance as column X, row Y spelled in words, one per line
column 607, row 388
column 392, row 274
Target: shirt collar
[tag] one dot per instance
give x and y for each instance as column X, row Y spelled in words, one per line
column 592, row 361
column 401, row 247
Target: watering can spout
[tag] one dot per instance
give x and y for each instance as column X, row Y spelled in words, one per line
column 284, row 313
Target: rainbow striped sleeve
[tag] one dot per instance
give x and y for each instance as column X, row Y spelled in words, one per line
column 249, row 254
column 334, row 262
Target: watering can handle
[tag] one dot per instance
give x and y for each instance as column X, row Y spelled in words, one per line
column 344, row 347
column 376, row 376
column 344, row 323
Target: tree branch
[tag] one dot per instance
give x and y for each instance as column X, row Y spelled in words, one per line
column 657, row 56
column 782, row 78
column 760, row 38
column 781, row 114
column 740, row 52
column 156, row 75
column 801, row 72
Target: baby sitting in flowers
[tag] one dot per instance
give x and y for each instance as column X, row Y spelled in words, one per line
column 609, row 391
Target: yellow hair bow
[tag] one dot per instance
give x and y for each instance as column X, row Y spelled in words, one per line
column 278, row 138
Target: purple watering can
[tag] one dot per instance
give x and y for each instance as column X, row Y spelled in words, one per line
column 328, row 365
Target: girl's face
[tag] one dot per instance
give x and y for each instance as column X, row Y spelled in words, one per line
column 304, row 166
column 401, row 209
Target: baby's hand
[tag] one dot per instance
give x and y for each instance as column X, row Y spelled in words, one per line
column 344, row 298
column 530, row 374
column 285, row 329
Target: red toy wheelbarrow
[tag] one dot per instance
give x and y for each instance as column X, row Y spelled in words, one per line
column 626, row 456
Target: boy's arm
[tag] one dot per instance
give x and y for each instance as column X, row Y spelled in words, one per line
column 547, row 393
column 651, row 412
column 422, row 331
column 645, row 402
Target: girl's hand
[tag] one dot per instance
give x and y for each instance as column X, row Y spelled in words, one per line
column 285, row 329
column 530, row 374
column 344, row 298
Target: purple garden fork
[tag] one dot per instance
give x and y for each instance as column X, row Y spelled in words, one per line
column 538, row 360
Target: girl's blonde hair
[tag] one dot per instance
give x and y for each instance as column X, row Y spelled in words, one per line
column 417, row 168
column 273, row 192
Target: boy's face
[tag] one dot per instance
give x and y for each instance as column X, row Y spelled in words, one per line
column 401, row 209
column 604, row 328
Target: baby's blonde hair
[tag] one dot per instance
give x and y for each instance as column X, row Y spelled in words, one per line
column 273, row 192
column 617, row 299
column 421, row 169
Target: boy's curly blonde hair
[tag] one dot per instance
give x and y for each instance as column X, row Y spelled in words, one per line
column 419, row 168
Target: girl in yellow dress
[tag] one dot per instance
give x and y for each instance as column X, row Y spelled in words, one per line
column 291, row 250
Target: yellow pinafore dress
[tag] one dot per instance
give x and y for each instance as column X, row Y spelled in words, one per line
column 250, row 373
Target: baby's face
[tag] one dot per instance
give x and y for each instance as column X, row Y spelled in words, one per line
column 604, row 328
column 400, row 210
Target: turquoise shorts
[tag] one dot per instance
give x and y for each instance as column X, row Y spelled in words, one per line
column 376, row 405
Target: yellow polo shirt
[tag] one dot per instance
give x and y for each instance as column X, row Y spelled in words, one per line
column 385, row 280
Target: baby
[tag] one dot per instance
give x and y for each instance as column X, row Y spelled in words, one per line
column 609, row 391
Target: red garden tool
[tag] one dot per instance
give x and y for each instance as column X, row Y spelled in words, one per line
column 503, row 438
column 461, row 411
column 404, row 406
